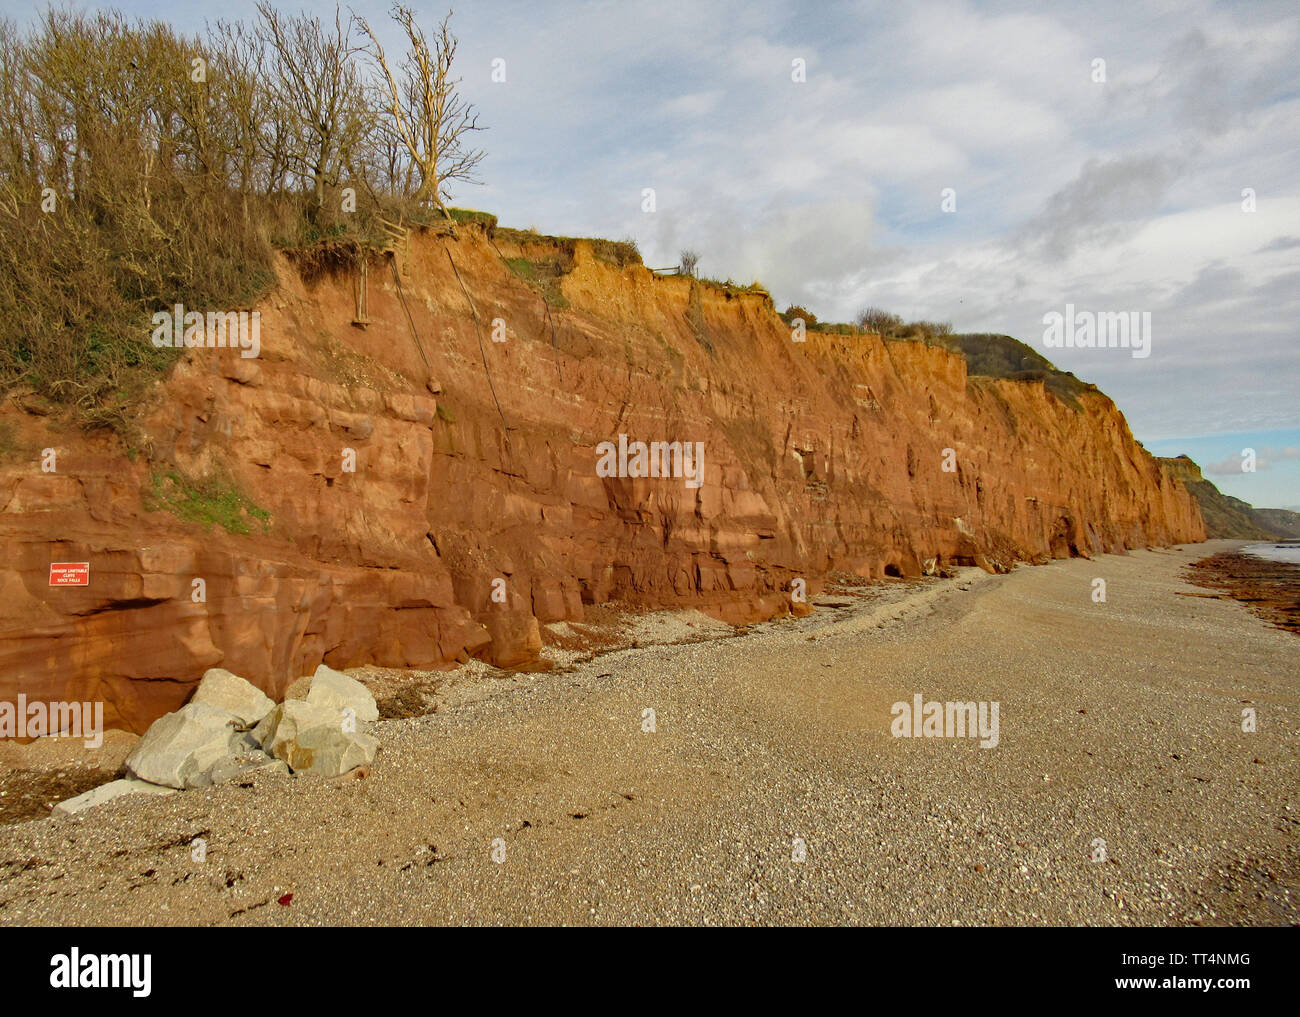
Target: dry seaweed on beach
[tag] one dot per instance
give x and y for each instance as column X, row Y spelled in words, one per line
column 1271, row 589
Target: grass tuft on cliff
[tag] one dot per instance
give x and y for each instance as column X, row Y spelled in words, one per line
column 543, row 275
column 619, row 253
column 727, row 286
column 210, row 502
column 473, row 216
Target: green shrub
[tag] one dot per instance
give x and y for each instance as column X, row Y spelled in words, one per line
column 469, row 215
column 617, row 252
column 209, row 502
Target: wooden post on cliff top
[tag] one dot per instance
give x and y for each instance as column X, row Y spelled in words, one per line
column 362, row 291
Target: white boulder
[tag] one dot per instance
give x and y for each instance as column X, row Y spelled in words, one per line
column 315, row 738
column 252, row 761
column 107, row 792
column 180, row 748
column 228, row 691
column 333, row 690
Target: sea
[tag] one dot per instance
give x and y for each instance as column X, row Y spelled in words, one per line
column 1275, row 550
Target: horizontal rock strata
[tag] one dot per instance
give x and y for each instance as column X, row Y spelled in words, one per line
column 411, row 529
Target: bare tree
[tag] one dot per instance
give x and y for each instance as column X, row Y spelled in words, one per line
column 874, row 319
column 18, row 154
column 689, row 262
column 315, row 85
column 241, row 106
column 423, row 107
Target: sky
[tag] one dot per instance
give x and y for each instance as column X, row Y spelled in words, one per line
column 1165, row 179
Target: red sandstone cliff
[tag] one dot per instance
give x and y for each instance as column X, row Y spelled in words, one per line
column 822, row 455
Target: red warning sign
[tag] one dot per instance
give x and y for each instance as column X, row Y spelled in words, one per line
column 72, row 573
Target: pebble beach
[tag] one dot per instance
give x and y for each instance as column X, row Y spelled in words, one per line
column 754, row 779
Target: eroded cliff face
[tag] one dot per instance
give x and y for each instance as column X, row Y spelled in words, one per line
column 817, row 456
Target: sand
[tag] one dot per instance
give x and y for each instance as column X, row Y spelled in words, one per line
column 771, row 790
